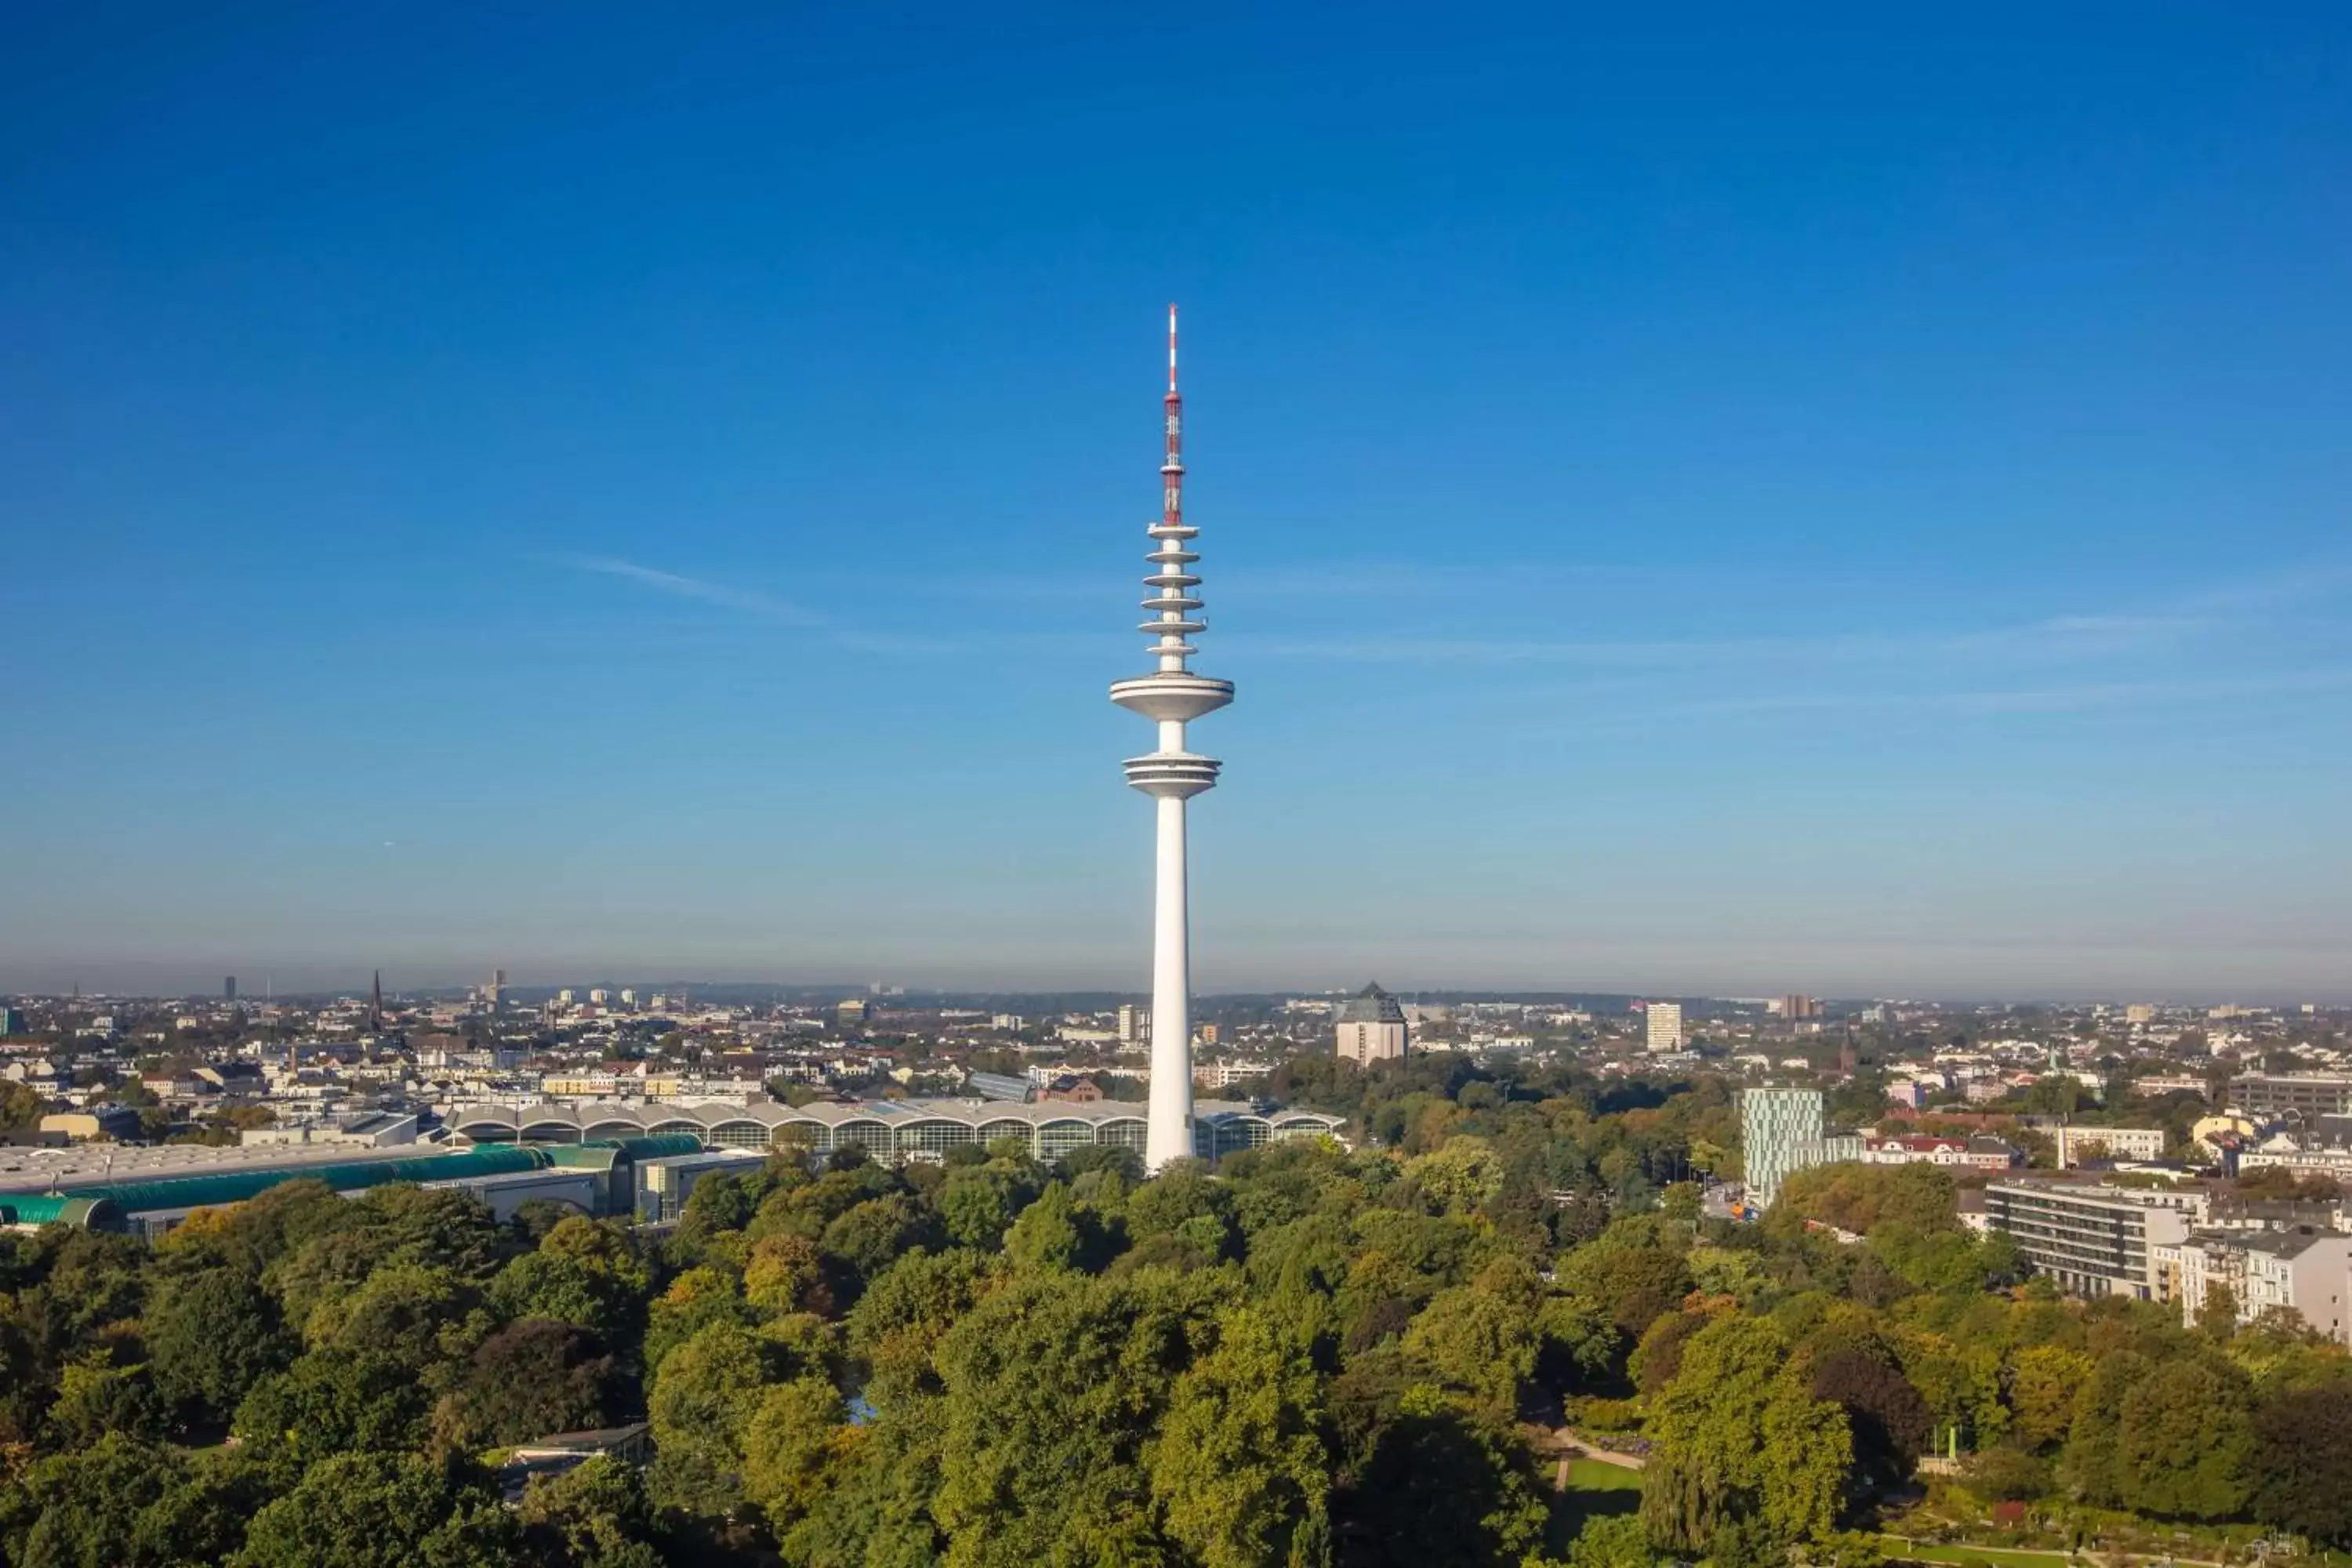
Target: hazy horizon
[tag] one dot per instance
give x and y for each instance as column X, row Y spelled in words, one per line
column 161, row 981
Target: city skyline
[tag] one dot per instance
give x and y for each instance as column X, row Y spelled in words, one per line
column 1723, row 510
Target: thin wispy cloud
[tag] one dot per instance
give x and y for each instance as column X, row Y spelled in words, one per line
column 750, row 600
column 753, row 601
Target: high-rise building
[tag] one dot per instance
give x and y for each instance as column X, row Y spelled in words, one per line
column 1369, row 1027
column 1134, row 1023
column 628, row 998
column 1172, row 697
column 2139, row 1012
column 12, row 1022
column 497, row 995
column 1780, row 1130
column 598, row 998
column 228, row 988
column 1666, row 1026
column 1793, row 1006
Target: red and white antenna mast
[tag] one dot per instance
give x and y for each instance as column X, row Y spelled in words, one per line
column 1173, row 470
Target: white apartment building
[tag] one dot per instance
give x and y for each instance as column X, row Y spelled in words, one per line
column 1368, row 1027
column 2076, row 1144
column 2304, row 1270
column 2093, row 1240
column 1224, row 1075
column 1666, row 1026
column 1977, row 1153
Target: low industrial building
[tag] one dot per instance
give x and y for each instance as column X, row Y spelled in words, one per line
column 369, row 1129
column 664, row 1183
column 891, row 1130
column 504, row 1178
column 148, row 1191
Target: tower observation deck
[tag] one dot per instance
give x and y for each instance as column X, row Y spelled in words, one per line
column 1172, row 696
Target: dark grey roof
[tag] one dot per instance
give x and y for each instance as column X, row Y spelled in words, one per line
column 1001, row 1086
column 1370, row 1005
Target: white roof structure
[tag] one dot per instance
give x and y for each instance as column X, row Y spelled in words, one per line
column 891, row 1129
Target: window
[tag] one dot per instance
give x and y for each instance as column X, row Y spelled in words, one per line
column 1056, row 1138
column 874, row 1136
column 738, row 1134
column 932, row 1137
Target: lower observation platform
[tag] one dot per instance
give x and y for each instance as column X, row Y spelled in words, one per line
column 1180, row 775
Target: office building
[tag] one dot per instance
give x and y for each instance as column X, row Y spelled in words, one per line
column 1666, row 1026
column 228, row 988
column 1793, row 1006
column 2304, row 1096
column 2092, row 1241
column 1783, row 1130
column 1134, row 1024
column 1369, row 1027
column 12, row 1022
column 1172, row 697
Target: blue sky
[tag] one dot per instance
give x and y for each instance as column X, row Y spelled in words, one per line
column 1741, row 499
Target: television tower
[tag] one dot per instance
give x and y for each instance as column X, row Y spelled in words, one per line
column 1172, row 696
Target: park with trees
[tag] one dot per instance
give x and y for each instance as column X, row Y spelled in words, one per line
column 1311, row 1355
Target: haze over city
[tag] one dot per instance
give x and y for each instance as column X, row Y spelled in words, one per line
column 1729, row 504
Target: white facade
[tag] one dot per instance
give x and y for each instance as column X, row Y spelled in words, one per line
column 2078, row 1144
column 1172, row 697
column 1666, row 1026
column 1368, row 1027
column 2303, row 1270
column 2093, row 1240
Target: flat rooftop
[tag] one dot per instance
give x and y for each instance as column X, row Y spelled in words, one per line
column 33, row 1170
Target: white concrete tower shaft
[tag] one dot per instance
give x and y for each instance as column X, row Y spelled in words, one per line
column 1172, row 696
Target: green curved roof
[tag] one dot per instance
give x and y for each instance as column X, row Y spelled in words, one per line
column 218, row 1188
column 49, row 1208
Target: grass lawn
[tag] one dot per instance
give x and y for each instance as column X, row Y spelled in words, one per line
column 1597, row 1476
column 1594, row 1490
column 2000, row 1557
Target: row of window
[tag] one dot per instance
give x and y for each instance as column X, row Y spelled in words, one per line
column 926, row 1138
